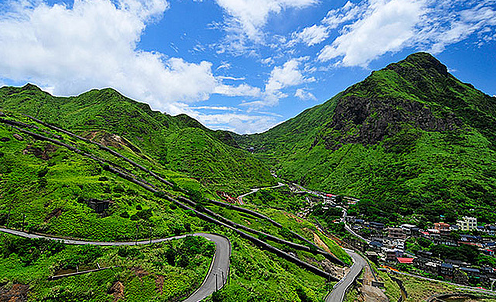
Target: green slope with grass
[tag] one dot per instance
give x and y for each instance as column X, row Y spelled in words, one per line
column 49, row 188
column 411, row 140
column 177, row 143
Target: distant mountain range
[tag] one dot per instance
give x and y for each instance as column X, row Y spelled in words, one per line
column 410, row 140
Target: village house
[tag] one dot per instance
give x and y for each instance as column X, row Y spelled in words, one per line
column 409, row 229
column 443, row 228
column 391, row 254
column 396, row 233
column 404, row 260
column 490, row 229
column 378, row 226
column 446, row 270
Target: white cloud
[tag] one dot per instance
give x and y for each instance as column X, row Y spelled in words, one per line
column 241, row 90
column 246, row 18
column 93, row 44
column 385, row 26
column 231, row 78
column 304, row 95
column 445, row 30
column 311, row 35
column 237, row 122
column 281, row 77
column 375, row 27
column 219, row 108
column 224, row 66
column 342, row 15
column 268, row 61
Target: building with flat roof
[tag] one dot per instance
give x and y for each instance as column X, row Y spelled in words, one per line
column 396, row 233
column 467, row 223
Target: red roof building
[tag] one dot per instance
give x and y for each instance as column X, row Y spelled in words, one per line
column 405, row 260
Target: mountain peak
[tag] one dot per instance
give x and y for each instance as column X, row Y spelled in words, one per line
column 420, row 61
column 32, row 87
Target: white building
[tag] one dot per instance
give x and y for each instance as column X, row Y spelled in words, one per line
column 467, row 223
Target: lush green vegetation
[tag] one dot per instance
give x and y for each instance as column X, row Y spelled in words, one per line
column 164, row 271
column 257, row 275
column 48, row 188
column 411, row 141
column 171, row 143
column 271, row 201
column 281, row 198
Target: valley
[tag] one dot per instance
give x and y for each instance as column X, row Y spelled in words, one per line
column 177, row 211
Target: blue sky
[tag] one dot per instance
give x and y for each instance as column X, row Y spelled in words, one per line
column 240, row 65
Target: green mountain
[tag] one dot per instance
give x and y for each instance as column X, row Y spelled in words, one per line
column 119, row 178
column 411, row 140
column 172, row 142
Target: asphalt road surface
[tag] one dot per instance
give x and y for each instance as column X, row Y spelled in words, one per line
column 337, row 294
column 216, row 277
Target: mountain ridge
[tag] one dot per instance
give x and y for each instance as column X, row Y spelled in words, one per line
column 101, row 114
column 409, row 136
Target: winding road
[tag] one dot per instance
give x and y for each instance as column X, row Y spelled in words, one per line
column 339, row 290
column 216, row 276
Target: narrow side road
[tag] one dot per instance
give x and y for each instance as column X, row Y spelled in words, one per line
column 339, row 290
column 240, row 197
column 216, row 276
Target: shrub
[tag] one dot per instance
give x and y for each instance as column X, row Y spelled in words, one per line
column 145, row 214
column 42, row 172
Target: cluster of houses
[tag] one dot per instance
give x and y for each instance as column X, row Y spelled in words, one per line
column 387, row 244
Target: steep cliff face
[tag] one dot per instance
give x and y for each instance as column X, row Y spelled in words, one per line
column 415, row 93
column 368, row 121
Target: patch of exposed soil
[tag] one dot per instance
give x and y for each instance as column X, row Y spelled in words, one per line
column 114, row 140
column 140, row 272
column 159, row 282
column 372, row 294
column 294, row 216
column 44, row 153
column 117, row 290
column 17, row 293
column 55, row 213
column 369, row 292
column 18, row 137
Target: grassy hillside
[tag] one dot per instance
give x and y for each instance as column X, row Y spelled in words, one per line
column 411, row 140
column 110, row 118
column 49, row 188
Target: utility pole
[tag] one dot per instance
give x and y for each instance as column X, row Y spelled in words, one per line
column 150, row 235
column 137, row 232
column 23, row 218
column 216, row 287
